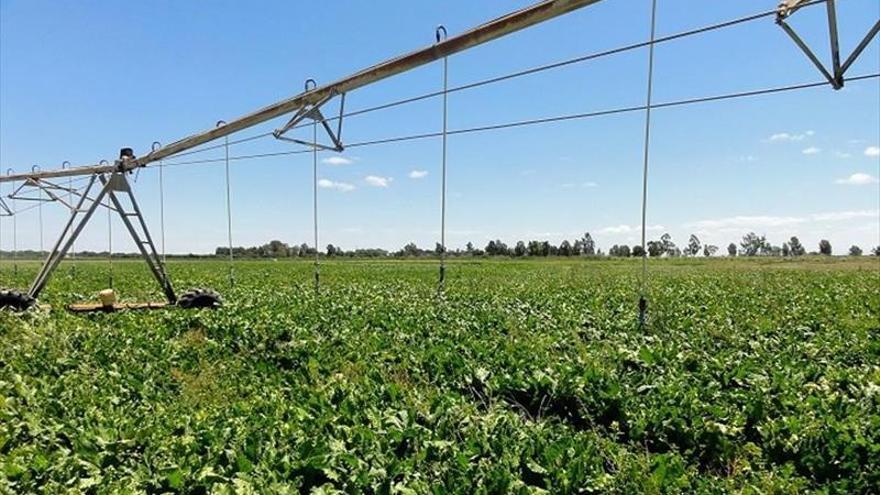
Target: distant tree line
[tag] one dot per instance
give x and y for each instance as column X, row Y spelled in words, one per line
column 750, row 245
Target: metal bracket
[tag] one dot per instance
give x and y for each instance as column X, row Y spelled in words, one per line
column 835, row 76
column 117, row 185
column 4, row 209
column 313, row 111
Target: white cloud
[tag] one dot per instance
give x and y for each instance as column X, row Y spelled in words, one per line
column 418, row 174
column 628, row 229
column 857, row 179
column 812, row 150
column 377, row 181
column 837, row 216
column 842, row 154
column 872, row 151
column 337, row 160
column 339, row 186
column 786, row 136
column 744, row 222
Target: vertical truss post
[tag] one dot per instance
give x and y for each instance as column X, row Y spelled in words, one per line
column 66, row 164
column 14, row 215
column 835, row 43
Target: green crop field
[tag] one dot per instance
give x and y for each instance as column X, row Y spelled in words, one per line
column 755, row 376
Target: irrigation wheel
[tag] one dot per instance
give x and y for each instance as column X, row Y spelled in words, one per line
column 199, row 298
column 15, row 300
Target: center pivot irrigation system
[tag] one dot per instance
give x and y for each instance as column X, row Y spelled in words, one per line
column 112, row 189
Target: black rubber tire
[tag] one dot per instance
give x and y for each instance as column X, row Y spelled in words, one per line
column 199, row 298
column 14, row 300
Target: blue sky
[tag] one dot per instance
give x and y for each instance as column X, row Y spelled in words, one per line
column 79, row 80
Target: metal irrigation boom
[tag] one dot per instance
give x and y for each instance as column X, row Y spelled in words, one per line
column 306, row 102
column 305, row 105
column 112, row 184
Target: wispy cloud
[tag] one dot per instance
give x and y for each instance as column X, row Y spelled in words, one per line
column 872, row 151
column 842, row 154
column 339, row 186
column 812, row 150
column 857, row 179
column 629, row 229
column 378, row 181
column 758, row 222
column 744, row 222
column 337, row 160
column 787, row 136
column 418, row 174
column 837, row 216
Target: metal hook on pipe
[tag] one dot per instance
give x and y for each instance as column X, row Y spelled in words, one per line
column 311, row 82
column 440, row 29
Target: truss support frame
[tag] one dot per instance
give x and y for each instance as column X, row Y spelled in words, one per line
column 836, row 75
column 313, row 112
column 114, row 186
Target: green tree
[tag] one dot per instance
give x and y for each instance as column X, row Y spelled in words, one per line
column 655, row 248
column 825, row 247
column 709, row 250
column 855, row 251
column 667, row 245
column 565, row 249
column 520, row 249
column 795, row 247
column 589, row 246
column 731, row 250
column 693, row 247
column 752, row 244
